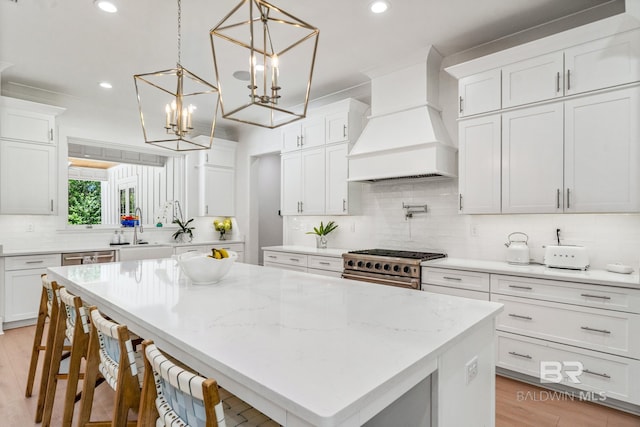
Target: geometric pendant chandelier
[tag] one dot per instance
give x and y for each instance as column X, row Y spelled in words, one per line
column 177, row 108
column 263, row 59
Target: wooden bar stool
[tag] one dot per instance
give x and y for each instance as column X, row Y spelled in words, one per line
column 48, row 310
column 174, row 396
column 72, row 325
column 112, row 355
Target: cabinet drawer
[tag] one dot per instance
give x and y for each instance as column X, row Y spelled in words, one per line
column 484, row 296
column 325, row 263
column 607, row 297
column 285, row 258
column 31, row 261
column 470, row 280
column 602, row 330
column 613, row 375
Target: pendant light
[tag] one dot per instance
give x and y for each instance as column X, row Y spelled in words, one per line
column 177, row 108
column 264, row 59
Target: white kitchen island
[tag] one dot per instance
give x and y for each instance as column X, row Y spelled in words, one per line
column 309, row 350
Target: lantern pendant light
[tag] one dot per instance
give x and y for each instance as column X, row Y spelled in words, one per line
column 177, row 108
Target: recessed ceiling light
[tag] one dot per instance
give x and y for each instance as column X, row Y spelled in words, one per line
column 106, row 85
column 379, row 6
column 107, row 6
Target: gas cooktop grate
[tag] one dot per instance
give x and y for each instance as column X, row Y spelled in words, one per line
column 400, row 254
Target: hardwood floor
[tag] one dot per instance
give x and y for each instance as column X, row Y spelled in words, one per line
column 517, row 404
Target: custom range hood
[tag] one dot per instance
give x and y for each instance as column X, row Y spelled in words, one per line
column 405, row 136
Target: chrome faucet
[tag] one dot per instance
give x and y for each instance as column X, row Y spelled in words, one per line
column 135, row 227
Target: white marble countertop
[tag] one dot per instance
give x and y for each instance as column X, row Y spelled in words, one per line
column 597, row 277
column 308, row 250
column 318, row 347
column 65, row 248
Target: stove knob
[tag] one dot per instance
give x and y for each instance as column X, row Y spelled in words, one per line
column 396, row 268
column 360, row 263
column 387, row 267
column 378, row 266
column 407, row 269
column 368, row 265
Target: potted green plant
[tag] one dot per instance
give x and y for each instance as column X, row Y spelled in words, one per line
column 321, row 233
column 184, row 234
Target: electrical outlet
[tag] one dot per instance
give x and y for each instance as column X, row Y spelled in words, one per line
column 30, row 228
column 471, row 369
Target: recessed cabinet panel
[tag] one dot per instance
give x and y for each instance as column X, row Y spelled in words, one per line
column 479, row 93
column 27, row 125
column 602, row 154
column 313, row 182
column 27, row 178
column 219, row 191
column 479, row 165
column 603, row 63
column 532, row 160
column 535, row 79
column 291, row 175
column 337, row 127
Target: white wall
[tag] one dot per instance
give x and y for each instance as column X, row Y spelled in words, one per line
column 268, row 188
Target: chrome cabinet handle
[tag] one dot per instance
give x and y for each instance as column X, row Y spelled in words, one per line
column 568, row 79
column 558, row 199
column 568, row 198
column 460, row 201
column 460, row 105
column 294, row 259
column 558, row 82
column 344, row 131
column 34, row 262
column 324, row 263
column 521, row 287
column 50, row 134
column 344, row 205
column 452, row 278
column 301, row 140
column 595, row 296
column 519, row 316
column 301, row 210
column 586, row 328
column 526, row 356
column 298, row 141
column 272, row 256
column 587, row 371
column 104, row 256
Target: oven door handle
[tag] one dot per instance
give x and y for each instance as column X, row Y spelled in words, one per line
column 413, row 284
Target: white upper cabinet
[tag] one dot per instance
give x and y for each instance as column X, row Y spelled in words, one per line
column 337, row 127
column 479, row 93
column 27, row 178
column 479, row 164
column 532, row 159
column 310, row 132
column 603, row 63
column 303, row 182
column 602, row 152
column 218, row 191
column 342, row 196
column 222, row 153
column 28, row 121
column 535, row 79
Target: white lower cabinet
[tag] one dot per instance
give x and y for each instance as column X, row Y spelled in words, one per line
column 23, row 285
column 316, row 264
column 594, row 327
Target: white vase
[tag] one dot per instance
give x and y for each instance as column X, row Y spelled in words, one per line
column 321, row 242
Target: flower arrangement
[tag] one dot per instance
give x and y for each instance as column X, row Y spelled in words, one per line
column 184, row 232
column 222, row 227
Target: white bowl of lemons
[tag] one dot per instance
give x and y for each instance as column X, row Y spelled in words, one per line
column 205, row 269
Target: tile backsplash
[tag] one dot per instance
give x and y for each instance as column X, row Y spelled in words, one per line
column 608, row 237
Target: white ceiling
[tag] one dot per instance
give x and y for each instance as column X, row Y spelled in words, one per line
column 68, row 46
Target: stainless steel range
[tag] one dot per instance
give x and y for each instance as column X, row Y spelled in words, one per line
column 386, row 267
